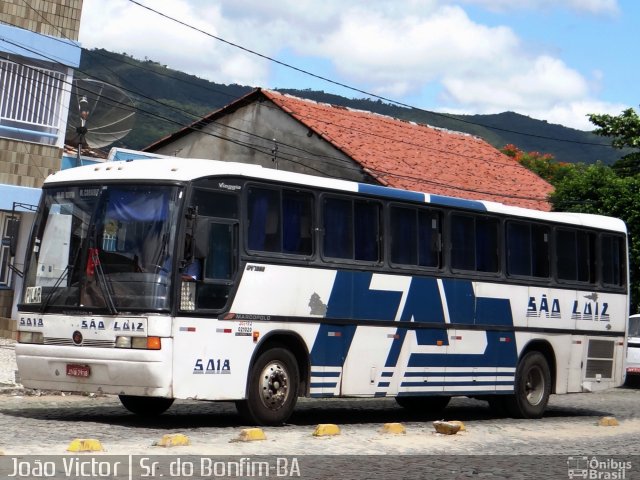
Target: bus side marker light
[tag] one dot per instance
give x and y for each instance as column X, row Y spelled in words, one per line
column 326, row 430
column 85, row 445
column 250, row 435
column 256, row 336
column 173, row 440
column 154, row 343
column 394, row 428
column 439, row 343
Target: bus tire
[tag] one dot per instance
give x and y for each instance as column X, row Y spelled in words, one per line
column 429, row 404
column 532, row 387
column 146, row 406
column 272, row 389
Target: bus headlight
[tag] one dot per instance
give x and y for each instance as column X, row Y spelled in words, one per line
column 30, row 337
column 123, row 342
column 141, row 343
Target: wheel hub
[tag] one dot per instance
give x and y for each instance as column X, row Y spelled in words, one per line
column 534, row 386
column 274, row 386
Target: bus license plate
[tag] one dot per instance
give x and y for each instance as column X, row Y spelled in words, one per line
column 78, row 370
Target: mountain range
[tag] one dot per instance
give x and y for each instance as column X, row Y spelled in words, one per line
column 166, row 100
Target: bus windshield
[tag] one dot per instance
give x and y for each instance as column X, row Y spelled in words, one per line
column 102, row 247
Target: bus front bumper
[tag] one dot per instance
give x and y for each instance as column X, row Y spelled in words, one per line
column 97, row 370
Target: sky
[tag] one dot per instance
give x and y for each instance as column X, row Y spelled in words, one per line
column 554, row 60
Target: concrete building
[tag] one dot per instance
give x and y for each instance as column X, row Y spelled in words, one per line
column 280, row 131
column 38, row 52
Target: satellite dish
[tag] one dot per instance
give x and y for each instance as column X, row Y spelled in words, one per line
column 99, row 114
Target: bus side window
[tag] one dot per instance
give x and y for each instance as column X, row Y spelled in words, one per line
column 215, row 247
column 575, row 255
column 219, row 264
column 613, row 260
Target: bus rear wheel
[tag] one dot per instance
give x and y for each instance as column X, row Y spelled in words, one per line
column 532, row 387
column 272, row 391
column 146, row 406
column 430, row 404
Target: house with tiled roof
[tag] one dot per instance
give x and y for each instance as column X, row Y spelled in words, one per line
column 289, row 133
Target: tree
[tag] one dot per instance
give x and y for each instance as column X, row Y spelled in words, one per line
column 625, row 131
column 600, row 190
column 542, row 164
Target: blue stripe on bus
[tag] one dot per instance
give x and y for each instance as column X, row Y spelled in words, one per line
column 453, row 384
column 460, row 300
column 352, row 298
column 457, row 202
column 497, row 354
column 324, row 374
column 431, row 393
column 468, row 373
column 323, row 385
column 423, row 302
column 465, row 308
column 331, row 350
column 391, row 192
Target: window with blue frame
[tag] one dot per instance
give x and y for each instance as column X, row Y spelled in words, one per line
column 280, row 221
column 575, row 255
column 528, row 249
column 613, row 260
column 415, row 237
column 351, row 229
column 474, row 243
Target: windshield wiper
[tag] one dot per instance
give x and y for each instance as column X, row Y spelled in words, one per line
column 54, row 289
column 105, row 286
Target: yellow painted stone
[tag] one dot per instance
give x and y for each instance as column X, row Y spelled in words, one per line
column 608, row 422
column 458, row 422
column 85, row 445
column 251, row 435
column 446, row 428
column 326, row 430
column 395, row 428
column 173, row 440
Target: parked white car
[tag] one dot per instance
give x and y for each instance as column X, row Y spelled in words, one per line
column 633, row 349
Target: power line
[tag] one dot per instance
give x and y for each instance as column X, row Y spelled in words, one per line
column 291, row 156
column 355, row 89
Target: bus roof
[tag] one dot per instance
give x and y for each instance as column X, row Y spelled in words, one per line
column 186, row 169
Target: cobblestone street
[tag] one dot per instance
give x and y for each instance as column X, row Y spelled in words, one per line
column 36, row 424
column 46, row 425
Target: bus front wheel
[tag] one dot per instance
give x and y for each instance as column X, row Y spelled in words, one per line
column 532, row 387
column 272, row 391
column 145, row 406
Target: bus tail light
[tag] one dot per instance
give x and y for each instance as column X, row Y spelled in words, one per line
column 140, row 343
column 30, row 337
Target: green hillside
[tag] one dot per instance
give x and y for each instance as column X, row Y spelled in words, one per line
column 166, row 100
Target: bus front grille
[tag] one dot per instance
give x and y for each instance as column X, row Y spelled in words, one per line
column 85, row 342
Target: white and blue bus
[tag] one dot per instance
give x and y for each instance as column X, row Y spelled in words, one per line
column 309, row 286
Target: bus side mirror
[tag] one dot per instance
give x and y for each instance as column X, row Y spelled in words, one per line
column 13, row 228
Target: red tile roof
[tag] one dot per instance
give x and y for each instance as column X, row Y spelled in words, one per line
column 407, row 155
